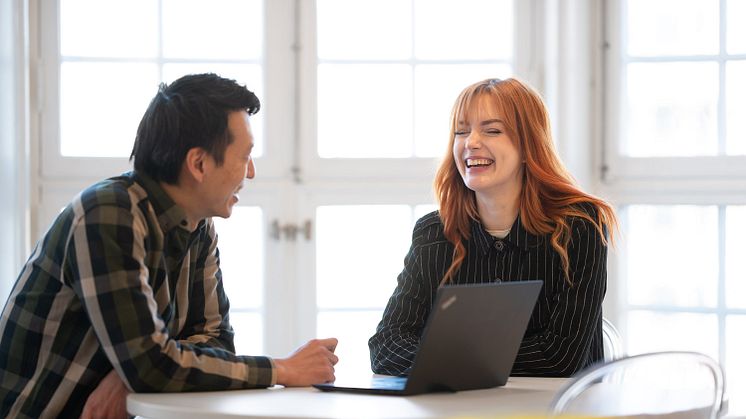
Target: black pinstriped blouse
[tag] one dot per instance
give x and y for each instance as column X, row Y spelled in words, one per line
column 564, row 332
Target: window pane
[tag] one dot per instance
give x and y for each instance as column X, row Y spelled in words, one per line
column 735, row 264
column 362, row 275
column 735, row 94
column 735, row 364
column 436, row 88
column 353, row 329
column 249, row 75
column 364, row 29
column 736, row 40
column 652, row 332
column 218, row 29
column 672, row 27
column 249, row 332
column 672, row 109
column 242, row 260
column 101, row 105
column 672, row 255
column 466, row 29
column 104, row 28
column 364, row 110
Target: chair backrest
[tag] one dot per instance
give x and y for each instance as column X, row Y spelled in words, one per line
column 660, row 384
column 613, row 347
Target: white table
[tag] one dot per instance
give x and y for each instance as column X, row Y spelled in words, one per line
column 519, row 396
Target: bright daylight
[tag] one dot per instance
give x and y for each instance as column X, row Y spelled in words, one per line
column 373, row 208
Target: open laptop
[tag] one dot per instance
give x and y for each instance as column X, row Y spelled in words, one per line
column 470, row 341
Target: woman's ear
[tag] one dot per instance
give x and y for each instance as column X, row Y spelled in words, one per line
column 195, row 161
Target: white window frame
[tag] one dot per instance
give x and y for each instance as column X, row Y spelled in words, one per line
column 405, row 181
column 708, row 180
column 718, row 172
column 525, row 61
column 277, row 70
column 14, row 134
column 52, row 165
column 292, row 180
column 355, row 193
column 289, row 103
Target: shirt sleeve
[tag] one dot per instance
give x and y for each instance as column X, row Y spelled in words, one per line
column 106, row 269
column 564, row 346
column 397, row 338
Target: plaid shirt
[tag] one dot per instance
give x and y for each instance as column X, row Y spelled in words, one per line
column 119, row 282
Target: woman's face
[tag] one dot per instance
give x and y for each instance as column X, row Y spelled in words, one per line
column 487, row 158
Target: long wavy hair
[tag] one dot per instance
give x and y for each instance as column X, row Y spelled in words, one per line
column 549, row 194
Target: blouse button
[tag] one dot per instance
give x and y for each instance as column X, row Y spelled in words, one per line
column 499, row 245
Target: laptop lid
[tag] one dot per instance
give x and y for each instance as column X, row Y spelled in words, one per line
column 470, row 340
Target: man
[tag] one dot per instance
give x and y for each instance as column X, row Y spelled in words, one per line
column 124, row 291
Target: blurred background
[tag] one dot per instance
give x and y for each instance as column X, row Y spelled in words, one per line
column 647, row 101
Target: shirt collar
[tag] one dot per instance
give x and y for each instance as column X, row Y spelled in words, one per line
column 169, row 214
column 518, row 237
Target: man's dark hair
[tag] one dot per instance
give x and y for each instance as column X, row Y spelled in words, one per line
column 190, row 112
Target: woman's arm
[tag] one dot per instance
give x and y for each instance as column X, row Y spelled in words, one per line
column 565, row 346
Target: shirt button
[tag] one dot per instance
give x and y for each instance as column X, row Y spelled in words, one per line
column 499, row 245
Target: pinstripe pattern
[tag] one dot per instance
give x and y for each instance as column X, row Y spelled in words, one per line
column 117, row 282
column 564, row 332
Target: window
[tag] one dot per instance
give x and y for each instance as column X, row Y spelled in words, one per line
column 676, row 73
column 383, row 100
column 675, row 163
column 355, row 280
column 403, row 78
column 127, row 63
column 383, row 97
column 356, row 96
column 242, row 266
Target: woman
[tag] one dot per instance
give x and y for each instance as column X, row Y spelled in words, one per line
column 509, row 211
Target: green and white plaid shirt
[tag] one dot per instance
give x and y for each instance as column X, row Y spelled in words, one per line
column 118, row 281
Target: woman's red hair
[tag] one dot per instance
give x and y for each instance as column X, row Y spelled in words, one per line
column 549, row 195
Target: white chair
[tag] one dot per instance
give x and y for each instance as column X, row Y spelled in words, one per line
column 660, row 384
column 613, row 347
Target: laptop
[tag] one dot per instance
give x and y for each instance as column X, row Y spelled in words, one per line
column 470, row 341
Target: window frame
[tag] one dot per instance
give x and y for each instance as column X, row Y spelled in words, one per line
column 323, row 193
column 525, row 61
column 619, row 169
column 291, row 177
column 14, row 131
column 703, row 180
column 277, row 56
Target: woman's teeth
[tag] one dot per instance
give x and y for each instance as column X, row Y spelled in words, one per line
column 478, row 162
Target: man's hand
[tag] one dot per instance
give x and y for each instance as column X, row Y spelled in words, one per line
column 312, row 363
column 108, row 400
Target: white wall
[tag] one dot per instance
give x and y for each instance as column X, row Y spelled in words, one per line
column 13, row 133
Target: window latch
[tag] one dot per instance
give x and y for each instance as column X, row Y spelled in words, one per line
column 290, row 231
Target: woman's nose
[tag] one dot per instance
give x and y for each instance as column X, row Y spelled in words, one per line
column 473, row 140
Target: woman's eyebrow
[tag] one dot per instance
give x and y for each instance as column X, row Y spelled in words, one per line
column 491, row 121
